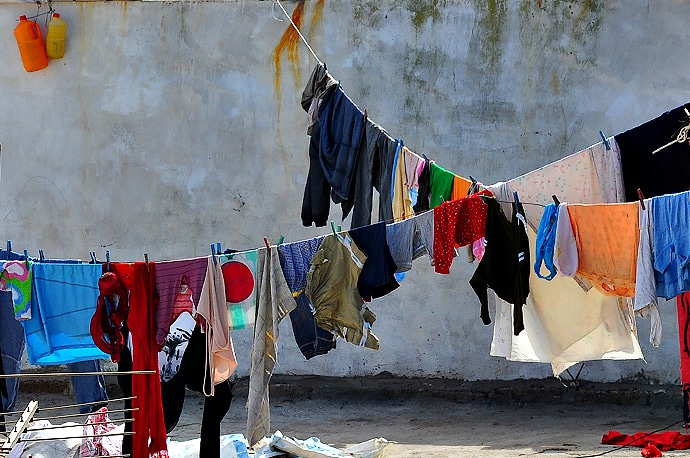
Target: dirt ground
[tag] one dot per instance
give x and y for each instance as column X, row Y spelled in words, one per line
column 439, row 418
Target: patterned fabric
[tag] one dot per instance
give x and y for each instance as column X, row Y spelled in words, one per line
column 294, row 259
column 591, row 176
column 458, row 222
column 16, row 277
column 275, row 301
column 239, row 273
column 100, row 443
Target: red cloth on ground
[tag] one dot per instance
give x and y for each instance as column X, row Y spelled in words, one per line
column 457, row 222
column 146, row 388
column 669, row 440
column 683, row 306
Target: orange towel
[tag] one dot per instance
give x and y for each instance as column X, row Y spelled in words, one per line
column 607, row 236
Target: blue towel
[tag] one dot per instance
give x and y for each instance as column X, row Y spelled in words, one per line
column 65, row 298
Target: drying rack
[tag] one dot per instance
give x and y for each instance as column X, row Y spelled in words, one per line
column 28, row 415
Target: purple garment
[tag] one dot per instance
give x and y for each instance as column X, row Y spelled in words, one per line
column 169, row 276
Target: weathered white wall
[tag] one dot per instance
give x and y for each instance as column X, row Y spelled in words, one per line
column 165, row 128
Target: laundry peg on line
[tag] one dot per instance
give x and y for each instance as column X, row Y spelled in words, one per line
column 93, row 257
column 146, row 259
column 555, row 200
column 641, row 197
column 219, row 248
column 605, row 140
column 335, row 234
column 281, row 240
column 40, row 255
column 9, row 246
column 213, row 253
column 472, row 179
column 26, row 258
column 107, row 260
column 267, row 243
column 515, row 197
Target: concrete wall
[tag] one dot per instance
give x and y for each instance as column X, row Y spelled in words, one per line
column 169, row 126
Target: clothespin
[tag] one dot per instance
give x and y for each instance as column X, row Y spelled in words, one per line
column 267, row 243
column 146, row 259
column 335, row 234
column 219, row 248
column 515, row 196
column 366, row 115
column 641, row 197
column 281, row 240
column 339, row 227
column 555, row 200
column 472, row 179
column 107, row 260
column 40, row 255
column 213, row 253
column 605, row 140
column 93, row 257
column 9, row 246
column 26, row 258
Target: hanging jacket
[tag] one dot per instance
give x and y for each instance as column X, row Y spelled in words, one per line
column 505, row 265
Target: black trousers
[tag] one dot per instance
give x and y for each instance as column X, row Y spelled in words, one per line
column 192, row 375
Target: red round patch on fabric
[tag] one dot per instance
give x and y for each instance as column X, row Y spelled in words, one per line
column 239, row 281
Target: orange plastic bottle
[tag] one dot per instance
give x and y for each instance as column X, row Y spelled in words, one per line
column 55, row 38
column 31, row 46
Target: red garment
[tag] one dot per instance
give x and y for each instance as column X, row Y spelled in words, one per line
column 650, row 443
column 146, row 388
column 683, row 305
column 458, row 222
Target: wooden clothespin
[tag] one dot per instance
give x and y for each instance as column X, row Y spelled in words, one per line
column 641, row 197
column 267, row 243
column 555, row 200
column 605, row 140
column 213, row 253
column 366, row 115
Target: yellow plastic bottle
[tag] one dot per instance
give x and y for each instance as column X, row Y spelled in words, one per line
column 31, row 47
column 56, row 38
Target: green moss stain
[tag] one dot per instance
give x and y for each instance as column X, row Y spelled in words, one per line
column 368, row 12
column 491, row 27
column 423, row 11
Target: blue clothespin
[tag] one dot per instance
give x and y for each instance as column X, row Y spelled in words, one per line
column 219, row 248
column 26, row 258
column 9, row 246
column 605, row 140
column 515, row 196
column 93, row 257
column 213, row 253
column 107, row 260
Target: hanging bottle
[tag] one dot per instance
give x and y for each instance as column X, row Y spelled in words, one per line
column 56, row 37
column 32, row 49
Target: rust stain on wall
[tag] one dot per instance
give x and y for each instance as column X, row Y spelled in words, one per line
column 316, row 17
column 288, row 43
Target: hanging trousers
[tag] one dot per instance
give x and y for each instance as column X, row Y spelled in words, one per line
column 190, row 375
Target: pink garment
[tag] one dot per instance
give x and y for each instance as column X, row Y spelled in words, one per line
column 413, row 167
column 101, row 443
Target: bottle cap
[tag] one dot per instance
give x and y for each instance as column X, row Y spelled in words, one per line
column 56, row 14
column 22, row 18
